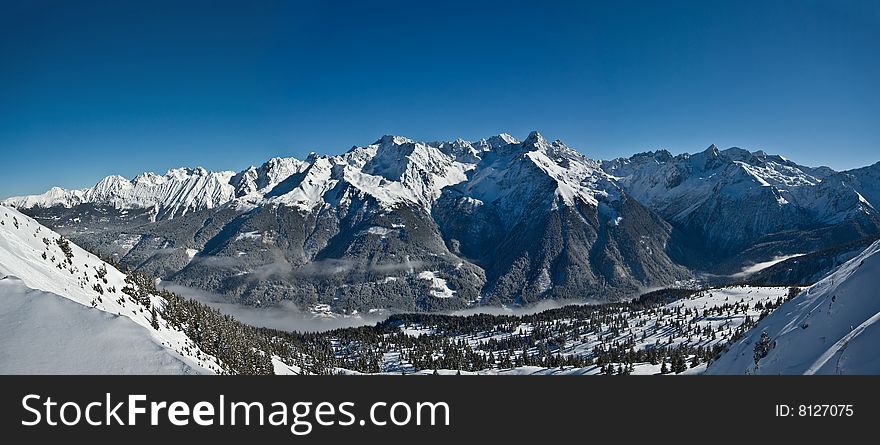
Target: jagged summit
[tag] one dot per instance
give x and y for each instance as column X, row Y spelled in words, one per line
column 534, row 138
column 499, row 140
column 733, row 198
column 390, row 139
column 711, row 151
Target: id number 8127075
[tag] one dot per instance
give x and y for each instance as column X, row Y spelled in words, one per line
column 815, row 410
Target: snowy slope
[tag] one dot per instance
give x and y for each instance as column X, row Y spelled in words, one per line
column 77, row 277
column 830, row 328
column 42, row 333
column 866, row 181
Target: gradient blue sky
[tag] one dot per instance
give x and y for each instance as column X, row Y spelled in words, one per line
column 91, row 88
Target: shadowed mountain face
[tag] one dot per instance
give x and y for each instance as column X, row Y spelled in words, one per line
column 412, row 225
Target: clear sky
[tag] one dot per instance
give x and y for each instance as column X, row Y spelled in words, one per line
column 89, row 89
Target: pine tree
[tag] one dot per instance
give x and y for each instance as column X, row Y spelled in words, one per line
column 763, row 346
column 154, row 319
column 678, row 363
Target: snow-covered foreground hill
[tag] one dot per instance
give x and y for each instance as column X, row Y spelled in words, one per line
column 830, row 328
column 62, row 310
column 42, row 333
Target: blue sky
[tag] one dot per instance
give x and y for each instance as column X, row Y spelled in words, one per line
column 89, row 88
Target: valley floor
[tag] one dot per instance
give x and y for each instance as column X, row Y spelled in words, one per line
column 678, row 335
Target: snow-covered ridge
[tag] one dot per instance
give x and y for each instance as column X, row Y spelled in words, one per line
column 733, row 197
column 665, row 182
column 53, row 197
column 676, row 185
column 43, row 261
column 830, row 328
column 175, row 193
column 394, row 171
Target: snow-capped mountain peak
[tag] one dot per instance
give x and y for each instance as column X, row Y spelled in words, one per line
column 497, row 141
column 253, row 180
column 395, row 170
column 55, row 196
column 178, row 191
column 733, row 197
column 534, row 139
column 390, row 139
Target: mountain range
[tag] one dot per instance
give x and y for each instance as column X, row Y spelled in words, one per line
column 406, row 225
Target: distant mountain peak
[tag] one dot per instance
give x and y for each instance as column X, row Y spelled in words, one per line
column 534, row 139
column 500, row 140
column 390, row 139
column 506, row 138
column 718, row 193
